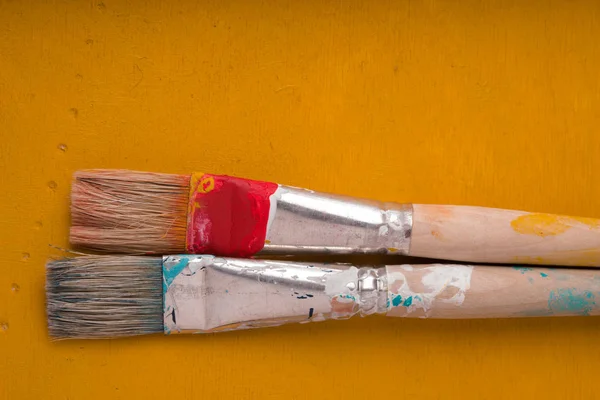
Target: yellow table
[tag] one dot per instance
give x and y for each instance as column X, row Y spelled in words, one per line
column 493, row 103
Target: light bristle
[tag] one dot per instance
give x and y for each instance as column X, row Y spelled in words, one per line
column 121, row 211
column 104, row 296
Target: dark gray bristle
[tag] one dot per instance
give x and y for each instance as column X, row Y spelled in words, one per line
column 104, row 296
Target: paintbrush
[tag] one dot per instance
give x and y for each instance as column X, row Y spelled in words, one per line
column 142, row 213
column 112, row 296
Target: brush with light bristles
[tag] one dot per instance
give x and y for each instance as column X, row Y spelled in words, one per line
column 141, row 213
column 112, row 296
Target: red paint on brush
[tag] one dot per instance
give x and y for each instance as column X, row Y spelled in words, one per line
column 227, row 216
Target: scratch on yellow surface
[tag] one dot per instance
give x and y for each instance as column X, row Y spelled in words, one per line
column 429, row 102
column 549, row 225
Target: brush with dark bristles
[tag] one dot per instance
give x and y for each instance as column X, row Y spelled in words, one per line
column 147, row 213
column 96, row 296
column 112, row 296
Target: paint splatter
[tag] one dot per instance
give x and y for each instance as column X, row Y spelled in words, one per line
column 343, row 308
column 436, row 234
column 397, row 301
column 170, row 273
column 522, row 270
column 543, row 225
column 571, row 301
column 543, row 275
column 441, row 283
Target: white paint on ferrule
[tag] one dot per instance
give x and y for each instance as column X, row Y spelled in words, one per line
column 383, row 230
column 343, row 282
column 273, row 206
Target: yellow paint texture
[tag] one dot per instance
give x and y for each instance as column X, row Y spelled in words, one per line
column 493, row 103
column 540, row 224
column 549, row 224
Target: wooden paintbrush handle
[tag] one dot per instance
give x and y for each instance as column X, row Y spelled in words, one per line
column 461, row 291
column 489, row 235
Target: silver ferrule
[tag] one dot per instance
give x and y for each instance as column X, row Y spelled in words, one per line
column 302, row 221
column 208, row 294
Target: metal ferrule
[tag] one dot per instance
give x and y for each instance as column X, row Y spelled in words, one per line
column 303, row 221
column 209, row 294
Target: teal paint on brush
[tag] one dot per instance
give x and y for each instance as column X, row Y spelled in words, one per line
column 169, row 274
column 522, row 269
column 396, row 300
column 571, row 300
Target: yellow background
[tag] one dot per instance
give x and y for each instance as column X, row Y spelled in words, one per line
column 491, row 103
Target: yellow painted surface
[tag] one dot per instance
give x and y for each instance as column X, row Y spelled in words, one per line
column 542, row 224
column 493, row 103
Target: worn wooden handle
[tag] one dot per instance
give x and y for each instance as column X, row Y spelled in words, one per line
column 461, row 291
column 490, row 235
